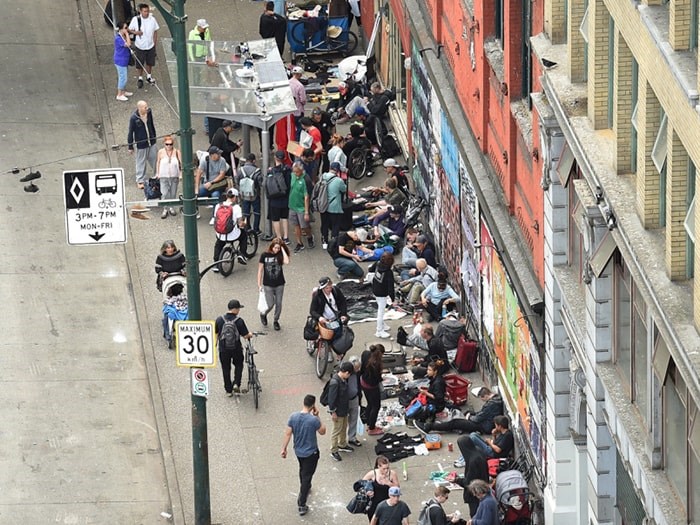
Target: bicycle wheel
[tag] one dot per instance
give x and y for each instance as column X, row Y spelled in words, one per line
column 310, row 347
column 298, row 34
column 322, row 358
column 227, row 260
column 251, row 244
column 256, row 387
column 379, row 131
column 357, row 163
column 351, row 43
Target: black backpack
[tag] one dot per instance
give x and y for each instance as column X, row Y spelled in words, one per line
column 324, row 393
column 229, row 335
column 276, row 183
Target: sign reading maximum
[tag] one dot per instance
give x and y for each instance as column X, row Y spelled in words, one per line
column 195, row 343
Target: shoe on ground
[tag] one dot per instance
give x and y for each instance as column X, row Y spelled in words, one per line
column 276, row 326
column 172, row 212
column 298, row 248
column 211, row 221
column 460, row 462
column 303, row 509
column 236, row 389
column 335, row 456
column 199, row 215
column 215, row 269
column 164, row 215
column 340, row 275
column 122, row 98
column 422, row 426
column 242, row 259
column 383, row 334
column 354, row 442
column 287, row 241
column 331, row 357
column 244, row 390
column 229, row 394
column 346, row 448
column 263, row 319
column 312, row 244
column 139, row 83
column 128, row 93
column 375, row 432
column 325, row 245
column 151, row 81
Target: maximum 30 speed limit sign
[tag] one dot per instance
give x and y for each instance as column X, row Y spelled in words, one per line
column 195, row 343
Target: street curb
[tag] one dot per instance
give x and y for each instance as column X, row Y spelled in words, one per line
column 100, row 92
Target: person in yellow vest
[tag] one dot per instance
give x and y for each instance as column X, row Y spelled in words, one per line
column 199, row 52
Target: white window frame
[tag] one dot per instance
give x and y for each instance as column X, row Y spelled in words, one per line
column 583, row 28
column 689, row 222
column 660, row 149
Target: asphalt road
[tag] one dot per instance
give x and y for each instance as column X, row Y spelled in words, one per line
column 96, row 420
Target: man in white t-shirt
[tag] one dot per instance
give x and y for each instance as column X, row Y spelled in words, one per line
column 145, row 28
column 238, row 232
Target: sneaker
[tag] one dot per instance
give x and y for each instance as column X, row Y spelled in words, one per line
column 215, row 269
column 199, row 216
column 346, row 448
column 128, row 93
column 263, row 319
column 241, row 258
column 211, row 221
column 340, row 275
column 383, row 334
column 336, row 456
column 460, row 462
column 312, row 244
column 422, row 426
column 276, row 325
column 375, row 432
column 287, row 241
column 122, row 98
column 244, row 390
column 331, row 358
column 298, row 248
column 172, row 212
column 325, row 245
column 236, row 389
column 229, row 394
column 164, row 215
column 354, row 442
column 303, row 509
column 151, row 80
column 139, row 83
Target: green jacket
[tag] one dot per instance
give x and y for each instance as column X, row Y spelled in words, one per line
column 196, row 52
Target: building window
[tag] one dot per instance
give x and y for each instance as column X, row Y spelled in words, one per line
column 675, row 432
column 694, row 25
column 623, row 319
column 694, row 461
column 635, row 105
column 575, row 257
column 583, row 28
column 658, row 155
column 498, row 21
column 689, row 222
column 611, row 68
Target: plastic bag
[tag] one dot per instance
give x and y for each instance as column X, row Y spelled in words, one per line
column 262, row 303
column 360, row 427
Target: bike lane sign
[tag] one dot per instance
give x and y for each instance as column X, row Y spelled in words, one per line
column 195, row 343
column 95, row 210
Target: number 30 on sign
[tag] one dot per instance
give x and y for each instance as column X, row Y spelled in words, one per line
column 195, row 343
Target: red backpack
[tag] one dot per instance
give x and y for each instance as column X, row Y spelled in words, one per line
column 223, row 221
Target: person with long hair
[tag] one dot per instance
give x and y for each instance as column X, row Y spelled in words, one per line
column 383, row 478
column 336, row 153
column 170, row 261
column 475, row 467
column 122, row 54
column 383, row 290
column 436, row 389
column 271, row 278
column 370, row 379
column 169, row 172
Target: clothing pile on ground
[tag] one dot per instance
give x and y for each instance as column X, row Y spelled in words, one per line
column 397, row 446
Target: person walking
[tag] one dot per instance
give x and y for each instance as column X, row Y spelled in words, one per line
column 299, row 94
column 200, row 33
column 142, row 134
column 370, row 379
column 170, row 261
column 383, row 290
column 122, row 54
column 169, row 172
column 304, row 427
column 336, row 153
column 271, row 278
column 391, row 511
column 274, row 26
column 299, row 206
column 338, row 406
column 229, row 329
column 336, row 188
column 475, row 467
column 383, row 478
column 354, row 401
column 248, row 180
column 487, row 511
column 435, row 513
column 145, row 29
column 277, row 200
column 238, row 233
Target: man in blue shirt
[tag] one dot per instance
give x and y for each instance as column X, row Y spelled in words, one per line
column 304, row 426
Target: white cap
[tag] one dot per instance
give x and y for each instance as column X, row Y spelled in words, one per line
column 232, row 192
column 202, row 23
column 390, row 163
column 297, row 70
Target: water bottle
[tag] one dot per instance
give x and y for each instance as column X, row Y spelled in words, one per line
column 405, row 472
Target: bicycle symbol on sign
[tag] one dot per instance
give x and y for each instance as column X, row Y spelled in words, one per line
column 107, row 203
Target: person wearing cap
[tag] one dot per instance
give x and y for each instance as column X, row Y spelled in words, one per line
column 221, row 139
column 232, row 354
column 393, row 222
column 438, row 295
column 300, row 206
column 200, row 33
column 423, row 250
column 304, row 426
column 251, row 202
column 333, row 216
column 328, row 305
column 274, row 26
column 278, row 207
column 393, row 169
column 391, row 511
column 354, row 399
column 326, row 127
column 210, row 176
column 339, row 408
column 238, row 232
column 299, row 94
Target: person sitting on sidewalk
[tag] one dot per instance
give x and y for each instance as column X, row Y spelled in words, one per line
column 393, row 222
column 344, row 254
column 437, row 295
column 435, row 352
column 414, row 286
column 502, row 443
column 451, row 328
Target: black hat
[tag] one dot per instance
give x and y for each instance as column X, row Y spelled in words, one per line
column 234, row 304
column 347, row 366
column 279, row 154
column 323, row 281
column 214, row 151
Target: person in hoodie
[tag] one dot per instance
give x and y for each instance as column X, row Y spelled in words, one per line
column 336, row 188
column 450, row 328
column 383, row 290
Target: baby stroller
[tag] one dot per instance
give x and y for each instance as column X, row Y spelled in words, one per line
column 174, row 305
column 513, row 498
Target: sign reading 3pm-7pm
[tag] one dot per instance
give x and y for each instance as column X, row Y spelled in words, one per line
column 95, row 211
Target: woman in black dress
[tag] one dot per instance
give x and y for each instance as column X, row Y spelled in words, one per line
column 370, row 379
column 383, row 478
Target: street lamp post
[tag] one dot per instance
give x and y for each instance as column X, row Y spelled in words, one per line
column 200, row 443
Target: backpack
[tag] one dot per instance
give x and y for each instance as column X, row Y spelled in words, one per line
column 324, row 393
column 319, row 196
column 276, row 184
column 424, row 516
column 152, row 189
column 390, row 148
column 332, row 246
column 246, row 185
column 229, row 335
column 223, row 220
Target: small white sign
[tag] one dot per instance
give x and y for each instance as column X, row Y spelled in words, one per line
column 195, row 343
column 200, row 382
column 95, row 210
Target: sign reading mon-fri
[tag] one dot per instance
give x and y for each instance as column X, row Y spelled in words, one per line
column 195, row 343
column 95, row 211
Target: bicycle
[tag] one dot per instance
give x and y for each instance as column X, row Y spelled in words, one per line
column 227, row 258
column 344, row 43
column 253, row 372
column 322, row 349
